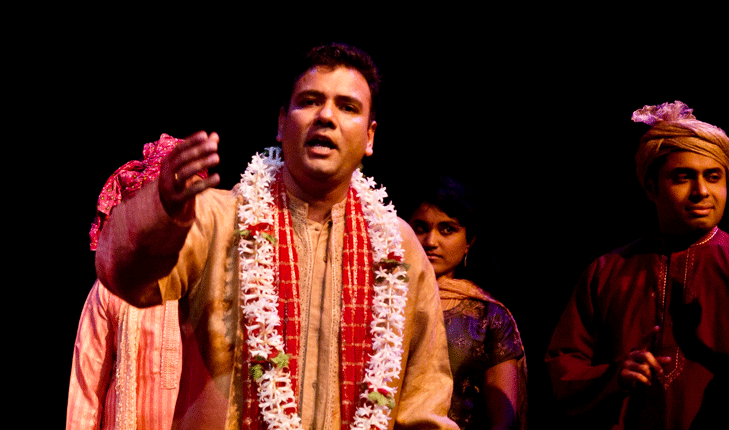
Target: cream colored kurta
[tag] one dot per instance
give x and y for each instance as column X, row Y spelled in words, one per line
column 198, row 264
column 319, row 249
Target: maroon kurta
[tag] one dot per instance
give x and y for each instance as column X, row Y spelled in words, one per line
column 619, row 299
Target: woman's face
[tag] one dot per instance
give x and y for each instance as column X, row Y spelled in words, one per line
column 443, row 238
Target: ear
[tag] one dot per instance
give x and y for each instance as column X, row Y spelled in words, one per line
column 281, row 121
column 470, row 243
column 650, row 189
column 369, row 149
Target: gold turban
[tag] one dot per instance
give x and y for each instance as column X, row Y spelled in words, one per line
column 675, row 128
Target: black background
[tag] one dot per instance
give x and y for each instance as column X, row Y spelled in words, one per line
column 531, row 106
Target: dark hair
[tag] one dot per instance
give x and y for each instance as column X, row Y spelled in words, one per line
column 454, row 199
column 332, row 56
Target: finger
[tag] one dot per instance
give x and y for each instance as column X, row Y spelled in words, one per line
column 186, row 144
column 653, row 363
column 195, row 166
column 195, row 139
column 647, row 338
column 194, row 155
column 631, row 378
column 178, row 184
column 201, row 185
column 638, row 363
column 648, row 359
column 194, row 186
column 660, row 363
column 190, row 157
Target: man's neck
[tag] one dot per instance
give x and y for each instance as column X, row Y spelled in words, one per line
column 675, row 243
column 320, row 197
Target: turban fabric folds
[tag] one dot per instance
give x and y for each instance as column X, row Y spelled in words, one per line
column 131, row 177
column 674, row 128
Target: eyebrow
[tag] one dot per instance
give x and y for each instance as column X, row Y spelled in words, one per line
column 690, row 170
column 339, row 98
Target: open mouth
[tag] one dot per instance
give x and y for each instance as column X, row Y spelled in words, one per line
column 321, row 142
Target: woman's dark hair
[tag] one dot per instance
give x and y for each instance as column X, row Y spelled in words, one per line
column 452, row 197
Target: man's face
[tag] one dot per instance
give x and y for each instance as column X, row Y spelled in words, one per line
column 326, row 131
column 689, row 194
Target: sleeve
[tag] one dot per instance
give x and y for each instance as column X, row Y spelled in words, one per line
column 93, row 361
column 503, row 342
column 140, row 244
column 579, row 381
column 427, row 384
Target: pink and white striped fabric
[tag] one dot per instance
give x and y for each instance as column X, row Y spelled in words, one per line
column 126, row 365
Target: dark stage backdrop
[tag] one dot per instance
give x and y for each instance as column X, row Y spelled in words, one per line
column 535, row 115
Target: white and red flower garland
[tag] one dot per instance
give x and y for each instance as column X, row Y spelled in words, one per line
column 276, row 397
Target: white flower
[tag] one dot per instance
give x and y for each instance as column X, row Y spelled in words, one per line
column 259, row 296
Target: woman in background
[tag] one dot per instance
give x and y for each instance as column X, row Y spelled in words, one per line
column 485, row 350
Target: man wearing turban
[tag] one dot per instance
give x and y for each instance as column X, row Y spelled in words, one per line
column 644, row 340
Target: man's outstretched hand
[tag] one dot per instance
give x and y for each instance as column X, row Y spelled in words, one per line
column 178, row 182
